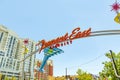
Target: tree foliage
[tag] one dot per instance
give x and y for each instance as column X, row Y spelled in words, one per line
column 108, row 71
column 13, row 78
column 6, row 78
column 83, row 75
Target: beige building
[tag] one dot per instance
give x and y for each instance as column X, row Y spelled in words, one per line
column 48, row 70
column 29, row 62
column 11, row 53
column 9, row 64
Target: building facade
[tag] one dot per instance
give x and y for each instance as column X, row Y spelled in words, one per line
column 26, row 67
column 9, row 64
column 48, row 70
column 11, row 53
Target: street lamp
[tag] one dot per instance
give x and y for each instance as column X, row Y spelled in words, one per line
column 25, row 51
column 114, row 65
column 66, row 73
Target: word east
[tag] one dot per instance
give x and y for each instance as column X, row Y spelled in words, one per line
column 63, row 40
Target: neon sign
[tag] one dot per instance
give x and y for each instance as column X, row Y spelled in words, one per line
column 76, row 33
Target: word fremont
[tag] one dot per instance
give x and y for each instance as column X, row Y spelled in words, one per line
column 63, row 40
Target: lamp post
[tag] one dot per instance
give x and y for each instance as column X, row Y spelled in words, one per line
column 25, row 51
column 66, row 73
column 23, row 74
column 114, row 66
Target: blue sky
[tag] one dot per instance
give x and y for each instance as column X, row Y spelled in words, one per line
column 48, row 19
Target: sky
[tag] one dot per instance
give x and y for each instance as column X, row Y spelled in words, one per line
column 49, row 19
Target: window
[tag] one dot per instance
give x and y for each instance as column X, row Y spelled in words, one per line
column 14, row 64
column 1, row 60
column 1, row 53
column 7, row 63
column 4, row 62
column 18, row 64
column 10, row 63
column 1, row 35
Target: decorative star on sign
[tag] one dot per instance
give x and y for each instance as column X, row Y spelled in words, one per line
column 115, row 6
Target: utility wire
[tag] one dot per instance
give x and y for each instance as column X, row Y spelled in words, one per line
column 90, row 61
